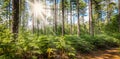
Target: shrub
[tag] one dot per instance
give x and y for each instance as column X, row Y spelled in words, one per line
column 79, row 44
column 103, row 41
column 116, row 35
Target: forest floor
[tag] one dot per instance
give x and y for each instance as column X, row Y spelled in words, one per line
column 113, row 53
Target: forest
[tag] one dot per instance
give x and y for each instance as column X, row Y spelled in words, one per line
column 59, row 29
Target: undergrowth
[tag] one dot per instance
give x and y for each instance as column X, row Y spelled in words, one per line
column 29, row 46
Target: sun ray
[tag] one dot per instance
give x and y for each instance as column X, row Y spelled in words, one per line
column 37, row 10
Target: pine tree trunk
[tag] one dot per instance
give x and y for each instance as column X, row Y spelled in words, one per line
column 15, row 22
column 71, row 18
column 9, row 16
column 91, row 30
column 119, row 16
column 78, row 18
column 33, row 30
column 108, row 11
column 67, row 16
column 63, row 28
column 45, row 32
column 55, row 20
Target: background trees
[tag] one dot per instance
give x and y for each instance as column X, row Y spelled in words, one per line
column 69, row 16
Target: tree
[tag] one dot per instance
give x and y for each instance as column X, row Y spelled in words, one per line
column 33, row 21
column 108, row 13
column 91, row 30
column 71, row 32
column 63, row 28
column 78, row 18
column 119, row 16
column 97, row 7
column 15, row 22
column 110, row 8
column 55, row 20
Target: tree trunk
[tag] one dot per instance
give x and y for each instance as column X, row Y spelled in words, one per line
column 45, row 32
column 67, row 16
column 9, row 16
column 83, row 22
column 63, row 28
column 55, row 20
column 15, row 22
column 91, row 30
column 119, row 16
column 108, row 11
column 38, row 27
column 78, row 18
column 33, row 30
column 71, row 17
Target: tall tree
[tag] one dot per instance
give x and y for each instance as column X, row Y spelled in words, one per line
column 15, row 22
column 55, row 20
column 97, row 15
column 63, row 26
column 71, row 17
column 78, row 18
column 108, row 11
column 91, row 29
column 119, row 16
column 33, row 21
column 9, row 14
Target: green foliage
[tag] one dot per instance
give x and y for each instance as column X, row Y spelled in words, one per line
column 112, row 26
column 82, row 4
column 33, row 46
column 65, row 4
column 116, row 35
column 6, row 44
column 87, row 43
column 103, row 41
column 79, row 43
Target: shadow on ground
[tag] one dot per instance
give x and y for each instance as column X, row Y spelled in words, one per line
column 113, row 53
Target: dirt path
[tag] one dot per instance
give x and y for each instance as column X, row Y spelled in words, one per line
column 113, row 53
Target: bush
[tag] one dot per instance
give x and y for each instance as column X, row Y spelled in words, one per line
column 79, row 44
column 103, row 41
column 44, row 46
column 116, row 35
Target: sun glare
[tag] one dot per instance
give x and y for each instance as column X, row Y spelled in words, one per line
column 37, row 9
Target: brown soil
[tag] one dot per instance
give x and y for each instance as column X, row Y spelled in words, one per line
column 113, row 53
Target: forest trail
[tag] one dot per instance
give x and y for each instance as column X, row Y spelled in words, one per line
column 113, row 53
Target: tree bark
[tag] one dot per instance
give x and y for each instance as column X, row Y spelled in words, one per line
column 55, row 20
column 119, row 16
column 15, row 22
column 91, row 30
column 9, row 15
column 71, row 17
column 78, row 18
column 108, row 11
column 33, row 28
column 63, row 28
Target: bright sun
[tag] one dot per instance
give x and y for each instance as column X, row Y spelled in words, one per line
column 37, row 9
